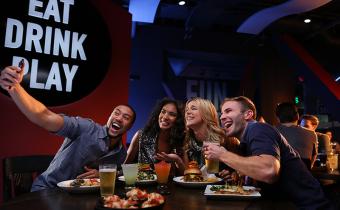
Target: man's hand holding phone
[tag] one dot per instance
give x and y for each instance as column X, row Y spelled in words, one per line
column 12, row 75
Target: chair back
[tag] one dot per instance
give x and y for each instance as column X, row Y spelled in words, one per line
column 20, row 171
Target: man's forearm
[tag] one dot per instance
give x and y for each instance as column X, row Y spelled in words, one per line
column 263, row 168
column 34, row 110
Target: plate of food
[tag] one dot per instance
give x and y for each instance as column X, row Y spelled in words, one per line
column 231, row 192
column 142, row 179
column 135, row 199
column 80, row 185
column 181, row 181
column 146, row 175
column 193, row 177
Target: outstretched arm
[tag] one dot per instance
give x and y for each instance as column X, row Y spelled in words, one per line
column 263, row 167
column 34, row 110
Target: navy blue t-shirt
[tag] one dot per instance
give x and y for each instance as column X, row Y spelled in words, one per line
column 296, row 182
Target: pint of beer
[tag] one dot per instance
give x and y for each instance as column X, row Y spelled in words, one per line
column 107, row 175
column 212, row 165
column 332, row 161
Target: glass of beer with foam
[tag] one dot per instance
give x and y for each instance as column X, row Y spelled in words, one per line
column 107, row 175
column 212, row 165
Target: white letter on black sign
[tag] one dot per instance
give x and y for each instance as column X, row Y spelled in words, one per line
column 52, row 9
column 11, row 24
column 54, row 78
column 69, row 76
column 66, row 11
column 34, row 75
column 77, row 46
column 32, row 6
column 33, row 35
column 62, row 42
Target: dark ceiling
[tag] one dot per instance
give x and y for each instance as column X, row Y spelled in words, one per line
column 321, row 36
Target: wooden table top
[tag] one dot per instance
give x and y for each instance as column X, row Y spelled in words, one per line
column 181, row 198
column 323, row 173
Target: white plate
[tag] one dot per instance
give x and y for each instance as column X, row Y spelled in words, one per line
column 180, row 180
column 122, row 178
column 225, row 195
column 65, row 185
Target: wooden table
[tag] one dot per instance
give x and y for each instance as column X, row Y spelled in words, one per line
column 180, row 199
column 323, row 173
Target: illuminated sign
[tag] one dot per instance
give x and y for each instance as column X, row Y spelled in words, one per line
column 65, row 45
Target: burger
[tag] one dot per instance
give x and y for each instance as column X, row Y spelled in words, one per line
column 193, row 173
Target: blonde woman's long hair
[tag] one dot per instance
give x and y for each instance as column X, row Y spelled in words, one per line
column 210, row 117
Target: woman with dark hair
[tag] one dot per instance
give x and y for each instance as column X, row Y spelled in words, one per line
column 163, row 135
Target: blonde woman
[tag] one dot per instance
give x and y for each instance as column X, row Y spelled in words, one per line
column 202, row 124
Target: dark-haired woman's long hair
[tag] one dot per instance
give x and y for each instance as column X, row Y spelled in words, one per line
column 176, row 131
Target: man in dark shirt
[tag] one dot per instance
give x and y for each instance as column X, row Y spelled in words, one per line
column 304, row 141
column 86, row 142
column 311, row 122
column 267, row 157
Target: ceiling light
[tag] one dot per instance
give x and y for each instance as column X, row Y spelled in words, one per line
column 337, row 79
column 307, row 20
column 181, row 3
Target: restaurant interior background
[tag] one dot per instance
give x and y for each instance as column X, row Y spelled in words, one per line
column 196, row 50
column 205, row 48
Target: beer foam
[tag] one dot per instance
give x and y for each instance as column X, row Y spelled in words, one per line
column 107, row 170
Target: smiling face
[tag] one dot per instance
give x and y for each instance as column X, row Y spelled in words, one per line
column 193, row 116
column 120, row 121
column 167, row 116
column 234, row 118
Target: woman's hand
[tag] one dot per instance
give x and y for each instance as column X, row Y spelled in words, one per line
column 171, row 157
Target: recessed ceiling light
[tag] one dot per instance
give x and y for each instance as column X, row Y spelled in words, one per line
column 181, row 3
column 307, row 20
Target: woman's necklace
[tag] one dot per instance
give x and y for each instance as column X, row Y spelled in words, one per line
column 195, row 145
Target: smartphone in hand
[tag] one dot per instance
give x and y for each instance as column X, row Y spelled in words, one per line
column 21, row 64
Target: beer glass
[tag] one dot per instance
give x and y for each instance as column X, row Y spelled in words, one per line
column 332, row 160
column 162, row 171
column 107, row 175
column 212, row 165
column 130, row 172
